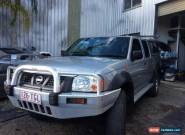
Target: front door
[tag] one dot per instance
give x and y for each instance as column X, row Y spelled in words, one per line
column 137, row 67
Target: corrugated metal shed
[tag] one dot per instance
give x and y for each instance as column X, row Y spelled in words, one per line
column 4, row 27
column 48, row 31
column 106, row 17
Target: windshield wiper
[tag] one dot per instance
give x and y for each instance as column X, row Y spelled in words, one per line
column 111, row 56
column 79, row 54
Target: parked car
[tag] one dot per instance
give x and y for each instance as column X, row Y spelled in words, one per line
column 45, row 54
column 100, row 75
column 14, row 57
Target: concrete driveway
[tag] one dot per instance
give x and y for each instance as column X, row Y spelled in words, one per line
column 167, row 110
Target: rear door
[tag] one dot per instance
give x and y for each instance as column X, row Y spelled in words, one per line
column 148, row 62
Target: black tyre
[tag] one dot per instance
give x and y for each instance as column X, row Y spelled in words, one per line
column 154, row 91
column 116, row 117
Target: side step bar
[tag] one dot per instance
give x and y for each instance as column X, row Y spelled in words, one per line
column 142, row 92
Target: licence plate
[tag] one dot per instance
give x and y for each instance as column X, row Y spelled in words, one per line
column 30, row 97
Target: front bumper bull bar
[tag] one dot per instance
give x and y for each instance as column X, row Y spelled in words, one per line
column 95, row 105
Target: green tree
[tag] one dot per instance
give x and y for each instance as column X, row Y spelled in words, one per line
column 16, row 8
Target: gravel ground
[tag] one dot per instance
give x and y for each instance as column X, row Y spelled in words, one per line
column 167, row 110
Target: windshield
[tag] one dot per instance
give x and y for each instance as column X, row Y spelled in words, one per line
column 101, row 47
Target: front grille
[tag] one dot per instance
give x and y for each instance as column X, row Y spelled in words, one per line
column 36, row 81
column 35, row 107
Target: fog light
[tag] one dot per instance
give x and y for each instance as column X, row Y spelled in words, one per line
column 76, row 101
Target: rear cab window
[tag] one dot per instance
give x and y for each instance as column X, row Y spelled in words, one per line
column 154, row 47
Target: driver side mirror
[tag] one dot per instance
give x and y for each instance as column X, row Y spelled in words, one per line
column 136, row 55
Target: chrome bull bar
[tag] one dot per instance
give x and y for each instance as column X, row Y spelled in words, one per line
column 32, row 69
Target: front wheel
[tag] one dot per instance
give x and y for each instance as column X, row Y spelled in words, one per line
column 116, row 117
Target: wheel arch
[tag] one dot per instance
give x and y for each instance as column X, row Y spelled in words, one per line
column 124, row 81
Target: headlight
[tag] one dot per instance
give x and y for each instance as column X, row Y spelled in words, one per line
column 87, row 84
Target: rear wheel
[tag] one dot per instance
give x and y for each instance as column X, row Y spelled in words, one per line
column 154, row 91
column 116, row 117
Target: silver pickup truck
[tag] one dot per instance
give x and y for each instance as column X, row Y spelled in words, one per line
column 100, row 75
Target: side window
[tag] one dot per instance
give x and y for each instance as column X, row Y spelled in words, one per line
column 136, row 53
column 146, row 49
column 151, row 47
column 155, row 48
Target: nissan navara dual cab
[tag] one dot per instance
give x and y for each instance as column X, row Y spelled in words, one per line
column 101, row 75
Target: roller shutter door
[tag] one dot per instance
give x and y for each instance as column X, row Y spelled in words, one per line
column 173, row 6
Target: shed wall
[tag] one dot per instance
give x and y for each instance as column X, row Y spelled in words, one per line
column 107, row 18
column 48, row 31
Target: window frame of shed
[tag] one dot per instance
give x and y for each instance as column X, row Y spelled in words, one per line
column 131, row 6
